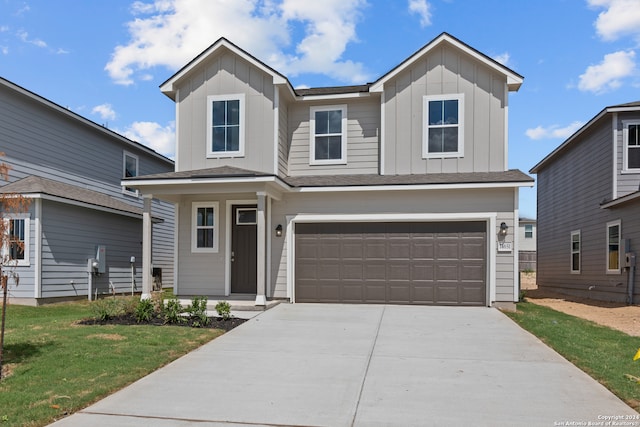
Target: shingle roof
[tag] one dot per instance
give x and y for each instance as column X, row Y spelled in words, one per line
column 219, row 172
column 39, row 185
column 333, row 90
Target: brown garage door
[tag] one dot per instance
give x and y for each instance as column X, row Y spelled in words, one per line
column 440, row 263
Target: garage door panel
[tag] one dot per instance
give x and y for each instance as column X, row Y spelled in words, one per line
column 404, row 263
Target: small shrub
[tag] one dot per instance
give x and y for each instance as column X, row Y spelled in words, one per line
column 144, row 310
column 173, row 312
column 224, row 310
column 198, row 312
column 106, row 309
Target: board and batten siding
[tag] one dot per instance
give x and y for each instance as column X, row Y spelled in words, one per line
column 226, row 74
column 498, row 201
column 445, row 70
column 627, row 182
column 363, row 124
column 283, row 139
column 570, row 190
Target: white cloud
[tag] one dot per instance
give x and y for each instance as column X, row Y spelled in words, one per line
column 105, row 111
column 503, row 58
column 172, row 32
column 421, row 8
column 554, row 131
column 4, row 50
column 159, row 138
column 4, row 28
column 24, row 36
column 607, row 75
column 621, row 17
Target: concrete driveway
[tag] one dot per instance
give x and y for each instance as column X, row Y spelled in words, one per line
column 364, row 365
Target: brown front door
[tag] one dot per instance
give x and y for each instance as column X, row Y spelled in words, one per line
column 244, row 249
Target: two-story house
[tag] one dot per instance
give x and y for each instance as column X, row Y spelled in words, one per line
column 527, row 244
column 395, row 191
column 589, row 206
column 71, row 169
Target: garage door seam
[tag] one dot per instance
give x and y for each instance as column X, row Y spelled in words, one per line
column 366, row 371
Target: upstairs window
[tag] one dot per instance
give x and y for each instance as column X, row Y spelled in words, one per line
column 225, row 130
column 631, row 136
column 16, row 250
column 129, row 170
column 575, row 252
column 443, row 132
column 528, row 231
column 328, row 143
column 613, row 247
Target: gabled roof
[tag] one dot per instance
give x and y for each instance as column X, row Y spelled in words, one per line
column 65, row 111
column 169, row 86
column 514, row 80
column 35, row 185
column 620, row 108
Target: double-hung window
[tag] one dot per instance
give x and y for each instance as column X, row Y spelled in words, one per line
column 16, row 250
column 613, row 246
column 328, row 135
column 528, row 231
column 225, row 125
column 443, row 126
column 129, row 170
column 631, row 136
column 575, row 252
column 205, row 227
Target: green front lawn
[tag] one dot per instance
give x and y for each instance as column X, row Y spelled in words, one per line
column 603, row 353
column 56, row 366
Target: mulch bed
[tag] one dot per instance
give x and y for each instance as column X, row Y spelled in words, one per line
column 214, row 322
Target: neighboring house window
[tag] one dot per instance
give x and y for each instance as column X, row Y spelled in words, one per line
column 528, row 231
column 443, row 117
column 225, row 125
column 575, row 251
column 16, row 250
column 130, row 169
column 328, row 135
column 631, row 135
column 613, row 247
column 205, row 227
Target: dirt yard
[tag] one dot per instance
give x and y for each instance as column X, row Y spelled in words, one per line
column 617, row 316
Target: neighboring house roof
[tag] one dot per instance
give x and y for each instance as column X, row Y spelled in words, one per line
column 65, row 111
column 169, row 87
column 523, row 220
column 630, row 106
column 620, row 201
column 226, row 172
column 35, row 185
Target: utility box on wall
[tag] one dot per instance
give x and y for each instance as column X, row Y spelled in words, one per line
column 101, row 259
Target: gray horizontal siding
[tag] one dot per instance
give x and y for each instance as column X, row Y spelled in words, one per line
column 626, row 182
column 163, row 236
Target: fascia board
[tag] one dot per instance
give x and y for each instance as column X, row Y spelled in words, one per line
column 411, row 187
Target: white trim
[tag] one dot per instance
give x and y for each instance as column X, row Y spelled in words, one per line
column 614, row 169
column 26, row 262
column 579, row 252
column 37, row 249
column 81, row 204
column 333, row 97
column 409, row 187
column 268, row 236
column 176, row 246
column 247, row 223
column 343, row 135
column 488, row 217
column 609, row 225
column 516, row 246
column 276, row 129
column 459, row 126
column 176, row 155
column 240, row 97
column 506, row 136
column 126, row 154
column 625, row 146
column 216, row 226
column 383, row 128
column 228, row 224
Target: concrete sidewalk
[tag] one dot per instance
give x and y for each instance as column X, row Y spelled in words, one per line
column 363, row 365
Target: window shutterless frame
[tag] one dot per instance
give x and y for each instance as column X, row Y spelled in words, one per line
column 205, row 227
column 130, row 165
column 443, row 126
column 575, row 252
column 631, row 145
column 328, row 135
column 614, row 233
column 225, row 125
column 17, row 248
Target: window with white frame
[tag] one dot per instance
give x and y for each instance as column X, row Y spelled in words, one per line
column 205, row 227
column 225, row 125
column 129, row 170
column 528, row 231
column 575, row 251
column 631, row 136
column 443, row 131
column 328, row 135
column 613, row 246
column 16, row 249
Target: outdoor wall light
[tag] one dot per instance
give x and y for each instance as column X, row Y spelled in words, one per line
column 279, row 230
column 503, row 229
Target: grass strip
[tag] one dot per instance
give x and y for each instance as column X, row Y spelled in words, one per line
column 56, row 366
column 604, row 353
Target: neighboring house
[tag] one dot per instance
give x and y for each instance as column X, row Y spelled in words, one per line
column 589, row 208
column 527, row 244
column 71, row 169
column 389, row 192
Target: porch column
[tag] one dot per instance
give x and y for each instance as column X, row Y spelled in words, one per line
column 261, row 297
column 146, row 248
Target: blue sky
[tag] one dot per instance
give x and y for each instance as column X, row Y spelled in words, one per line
column 105, row 59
